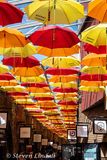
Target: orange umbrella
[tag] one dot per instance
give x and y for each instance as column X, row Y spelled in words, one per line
column 46, row 103
column 93, row 59
column 38, row 90
column 56, row 52
column 8, row 83
column 97, row 9
column 91, row 83
column 27, row 72
column 63, row 79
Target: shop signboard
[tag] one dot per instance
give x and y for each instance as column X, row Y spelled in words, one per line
column 91, row 152
column 3, row 120
column 25, row 132
column 100, row 126
column 44, row 142
column 37, row 138
column 82, row 131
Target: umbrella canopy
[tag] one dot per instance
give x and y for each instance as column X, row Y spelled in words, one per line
column 63, row 79
column 21, row 62
column 92, row 83
column 24, row 101
column 46, row 103
column 17, row 93
column 65, row 90
column 98, row 49
column 43, row 98
column 64, row 102
column 94, row 77
column 95, row 35
column 24, row 51
column 27, row 72
column 38, row 79
column 54, row 37
column 41, row 94
column 17, row 88
column 33, row 84
column 8, row 83
column 61, row 62
column 66, row 98
column 94, row 70
column 10, row 37
column 98, row 10
column 38, row 89
column 64, row 85
column 14, row 14
column 55, row 12
column 66, row 95
column 92, row 88
column 57, row 52
column 3, row 69
column 6, row 76
column 61, row 71
column 93, row 59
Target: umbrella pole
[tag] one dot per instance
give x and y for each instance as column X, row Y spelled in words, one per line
column 47, row 80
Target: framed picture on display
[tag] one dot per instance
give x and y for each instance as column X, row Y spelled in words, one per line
column 82, row 131
column 71, row 134
column 37, row 138
column 3, row 120
column 25, row 132
column 44, row 142
column 99, row 126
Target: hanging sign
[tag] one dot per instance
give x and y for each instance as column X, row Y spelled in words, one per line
column 91, row 152
column 44, row 142
column 25, row 132
column 82, row 131
column 99, row 126
column 3, row 120
column 37, row 138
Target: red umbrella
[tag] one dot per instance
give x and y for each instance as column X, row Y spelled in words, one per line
column 17, row 93
column 21, row 62
column 33, row 84
column 94, row 77
column 63, row 102
column 98, row 50
column 61, row 71
column 68, row 110
column 43, row 98
column 64, row 90
column 6, row 76
column 9, row 14
column 54, row 37
column 49, row 108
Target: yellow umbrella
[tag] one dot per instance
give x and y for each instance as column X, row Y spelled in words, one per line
column 68, row 107
column 48, row 94
column 12, row 38
column 55, row 12
column 24, row 101
column 67, row 98
column 66, row 94
column 95, row 35
column 61, row 62
column 24, row 51
column 3, row 68
column 57, row 52
column 64, row 85
column 91, row 89
column 97, row 9
column 93, row 59
column 17, row 88
column 63, row 78
column 94, row 70
column 27, row 72
column 38, row 79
